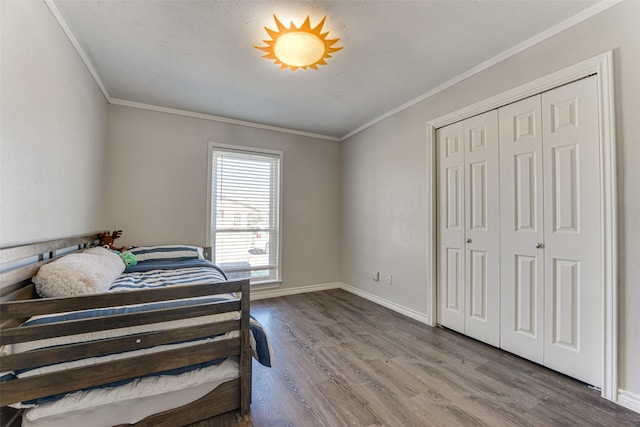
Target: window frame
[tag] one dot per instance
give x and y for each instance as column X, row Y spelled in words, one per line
column 271, row 282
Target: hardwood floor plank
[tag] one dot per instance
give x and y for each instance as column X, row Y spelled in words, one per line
column 341, row 360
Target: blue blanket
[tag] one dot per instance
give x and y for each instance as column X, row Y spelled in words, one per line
column 170, row 264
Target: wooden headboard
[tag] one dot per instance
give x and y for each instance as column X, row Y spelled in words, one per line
column 18, row 264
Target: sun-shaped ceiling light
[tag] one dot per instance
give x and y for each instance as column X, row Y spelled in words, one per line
column 298, row 47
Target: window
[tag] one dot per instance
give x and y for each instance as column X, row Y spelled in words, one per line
column 246, row 182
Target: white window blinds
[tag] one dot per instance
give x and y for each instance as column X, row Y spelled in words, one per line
column 245, row 194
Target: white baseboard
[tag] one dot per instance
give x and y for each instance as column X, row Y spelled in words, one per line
column 629, row 400
column 420, row 317
column 277, row 292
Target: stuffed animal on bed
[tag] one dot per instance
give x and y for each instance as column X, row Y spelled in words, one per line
column 107, row 238
column 128, row 258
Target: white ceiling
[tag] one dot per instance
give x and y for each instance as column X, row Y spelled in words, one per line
column 198, row 56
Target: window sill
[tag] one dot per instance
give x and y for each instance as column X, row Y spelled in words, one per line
column 268, row 284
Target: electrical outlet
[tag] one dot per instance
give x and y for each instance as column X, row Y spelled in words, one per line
column 388, row 279
column 375, row 276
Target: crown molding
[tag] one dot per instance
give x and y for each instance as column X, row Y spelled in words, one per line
column 220, row 119
column 83, row 55
column 550, row 32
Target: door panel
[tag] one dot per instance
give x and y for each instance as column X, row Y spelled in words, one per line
column 453, row 280
column 450, row 281
column 521, row 206
column 565, row 188
column 573, row 283
column 526, row 281
column 478, row 285
column 478, row 196
column 526, row 217
column 566, row 289
column 454, row 184
column 482, row 224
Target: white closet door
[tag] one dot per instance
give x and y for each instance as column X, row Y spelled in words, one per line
column 521, row 207
column 482, row 249
column 573, row 276
column 451, row 227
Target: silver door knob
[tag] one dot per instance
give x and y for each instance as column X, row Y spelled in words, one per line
column 468, row 240
column 539, row 245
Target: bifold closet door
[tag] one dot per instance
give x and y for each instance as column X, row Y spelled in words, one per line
column 551, row 279
column 482, row 228
column 522, row 229
column 451, row 227
column 573, row 271
column 468, row 228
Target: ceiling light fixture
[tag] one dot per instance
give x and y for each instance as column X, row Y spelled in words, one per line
column 298, row 47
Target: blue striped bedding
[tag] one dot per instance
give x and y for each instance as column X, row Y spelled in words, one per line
column 152, row 274
column 171, row 264
column 160, row 274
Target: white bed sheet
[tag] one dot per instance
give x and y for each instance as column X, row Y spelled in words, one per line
column 131, row 402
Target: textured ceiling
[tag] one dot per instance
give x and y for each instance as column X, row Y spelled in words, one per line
column 198, row 56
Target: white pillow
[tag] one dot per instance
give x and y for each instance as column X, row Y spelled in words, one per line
column 166, row 252
column 88, row 272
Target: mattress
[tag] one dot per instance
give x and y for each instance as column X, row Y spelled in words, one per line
column 132, row 402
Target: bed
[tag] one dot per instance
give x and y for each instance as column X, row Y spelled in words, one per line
column 144, row 352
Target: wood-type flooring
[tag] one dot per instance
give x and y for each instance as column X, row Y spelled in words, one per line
column 341, row 360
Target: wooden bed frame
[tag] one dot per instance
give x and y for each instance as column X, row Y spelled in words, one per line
column 18, row 302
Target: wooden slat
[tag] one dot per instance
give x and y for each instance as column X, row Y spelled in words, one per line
column 72, row 327
column 15, row 253
column 71, row 352
column 12, row 323
column 9, row 278
column 21, row 294
column 113, row 299
column 50, row 384
column 12, row 287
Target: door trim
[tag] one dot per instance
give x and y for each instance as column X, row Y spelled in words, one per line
column 602, row 67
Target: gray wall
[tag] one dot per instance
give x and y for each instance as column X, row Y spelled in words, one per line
column 386, row 171
column 157, row 187
column 52, row 121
